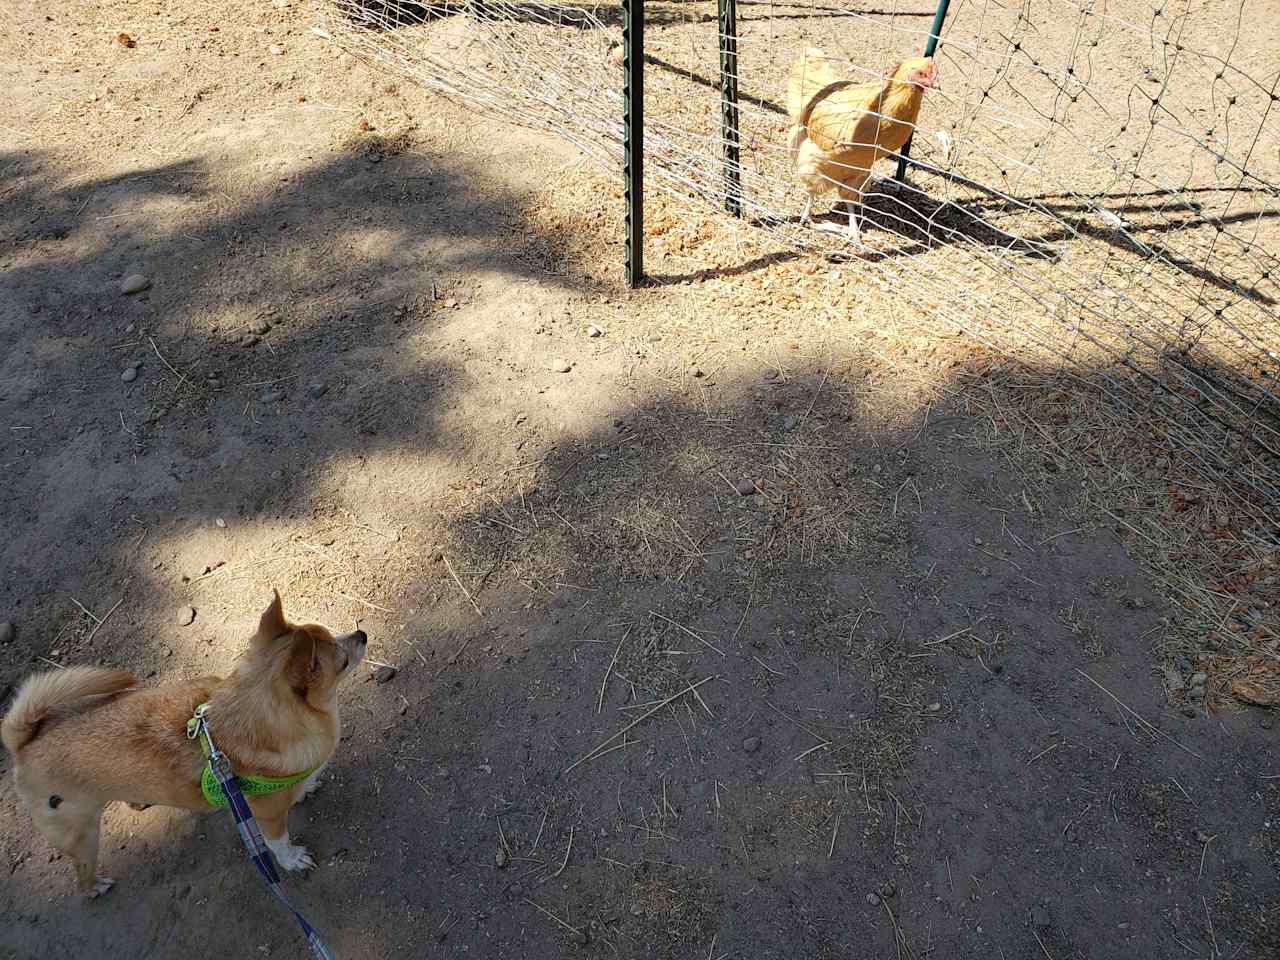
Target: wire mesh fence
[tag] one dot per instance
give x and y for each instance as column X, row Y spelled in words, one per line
column 1094, row 186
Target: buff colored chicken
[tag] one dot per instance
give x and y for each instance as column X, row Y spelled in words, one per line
column 840, row 128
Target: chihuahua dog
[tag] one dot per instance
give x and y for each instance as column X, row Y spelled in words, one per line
column 83, row 737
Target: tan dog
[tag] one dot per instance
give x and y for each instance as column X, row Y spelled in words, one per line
column 85, row 736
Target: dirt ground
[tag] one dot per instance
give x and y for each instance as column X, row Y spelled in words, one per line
column 713, row 636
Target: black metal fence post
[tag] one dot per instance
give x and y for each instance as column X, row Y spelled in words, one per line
column 633, row 146
column 729, row 106
column 934, row 31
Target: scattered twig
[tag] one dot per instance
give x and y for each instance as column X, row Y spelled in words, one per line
column 547, row 913
column 644, row 716
column 1209, row 920
column 1041, row 942
column 609, row 669
column 834, row 830
column 1043, row 752
column 565, row 862
column 1148, row 725
column 181, row 376
column 1204, row 849
column 680, row 626
column 371, row 606
column 94, row 631
column 456, row 654
column 465, row 592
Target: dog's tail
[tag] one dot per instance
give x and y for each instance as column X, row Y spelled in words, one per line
column 62, row 691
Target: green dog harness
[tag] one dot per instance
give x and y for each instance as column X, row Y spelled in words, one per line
column 249, row 786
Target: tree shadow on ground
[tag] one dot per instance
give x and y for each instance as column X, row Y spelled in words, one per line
column 733, row 668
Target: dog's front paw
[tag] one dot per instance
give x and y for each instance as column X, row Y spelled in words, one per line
column 293, row 856
column 101, row 885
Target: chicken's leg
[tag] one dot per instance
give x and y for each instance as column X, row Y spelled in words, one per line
column 855, row 212
column 807, row 212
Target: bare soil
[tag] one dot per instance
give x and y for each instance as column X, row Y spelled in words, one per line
column 945, row 701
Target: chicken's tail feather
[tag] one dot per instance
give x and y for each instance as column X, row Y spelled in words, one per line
column 811, row 74
column 795, row 140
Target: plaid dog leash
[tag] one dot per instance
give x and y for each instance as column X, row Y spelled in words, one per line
column 250, row 834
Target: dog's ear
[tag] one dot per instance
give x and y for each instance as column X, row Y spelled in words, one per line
column 273, row 623
column 302, row 670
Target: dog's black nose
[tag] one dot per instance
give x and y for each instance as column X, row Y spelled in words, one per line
column 361, row 636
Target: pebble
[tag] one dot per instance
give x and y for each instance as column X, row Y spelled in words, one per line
column 259, row 326
column 134, row 283
column 317, row 390
column 500, row 858
column 7, row 632
column 789, row 424
column 695, row 371
column 934, row 707
column 275, row 396
column 594, row 331
column 745, row 487
column 276, row 49
column 751, row 744
column 220, row 523
column 873, row 899
column 1202, row 837
column 130, row 374
column 277, row 474
column 384, row 674
column 248, row 340
column 186, row 616
column 561, row 365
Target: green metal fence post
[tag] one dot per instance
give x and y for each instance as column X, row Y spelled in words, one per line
column 729, row 106
column 929, row 48
column 633, row 146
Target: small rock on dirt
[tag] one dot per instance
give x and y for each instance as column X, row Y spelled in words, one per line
column 594, row 331
column 276, row 49
column 130, row 374
column 561, row 365
column 134, row 283
column 500, row 858
column 745, row 487
column 873, row 899
column 384, row 674
column 751, row 744
column 220, row 523
column 248, row 340
column 7, row 632
column 317, row 390
column 186, row 616
column 275, row 396
column 789, row 424
column 260, row 326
